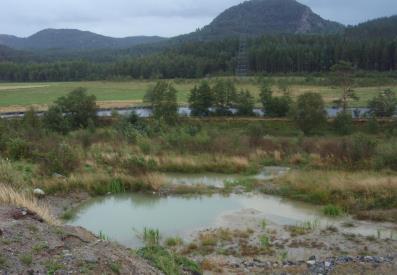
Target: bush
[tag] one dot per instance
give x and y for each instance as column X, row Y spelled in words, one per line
column 54, row 120
column 359, row 148
column 201, row 100
column 384, row 104
column 17, row 149
column 310, row 113
column 332, row 210
column 76, row 110
column 373, row 126
column 31, row 119
column 387, row 156
column 274, row 106
column 224, row 97
column 163, row 101
column 256, row 132
column 343, row 123
column 245, row 104
column 61, row 160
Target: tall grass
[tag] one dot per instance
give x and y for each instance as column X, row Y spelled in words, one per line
column 349, row 190
column 10, row 196
column 9, row 175
column 101, row 183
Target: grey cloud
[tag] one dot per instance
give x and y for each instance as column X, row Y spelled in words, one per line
column 156, row 17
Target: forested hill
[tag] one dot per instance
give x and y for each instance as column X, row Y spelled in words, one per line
column 73, row 39
column 385, row 27
column 8, row 54
column 258, row 17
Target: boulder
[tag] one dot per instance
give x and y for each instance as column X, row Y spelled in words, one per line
column 38, row 193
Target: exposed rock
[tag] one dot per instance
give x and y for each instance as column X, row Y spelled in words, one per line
column 38, row 193
column 311, row 262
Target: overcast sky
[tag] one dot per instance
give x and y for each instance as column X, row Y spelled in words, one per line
column 155, row 17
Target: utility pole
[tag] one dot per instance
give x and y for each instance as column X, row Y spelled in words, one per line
column 242, row 68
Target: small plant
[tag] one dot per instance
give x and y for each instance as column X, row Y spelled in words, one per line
column 283, row 256
column 173, row 241
column 37, row 248
column 103, row 236
column 332, row 210
column 115, row 267
column 263, row 224
column 379, row 233
column 53, row 267
column 67, row 215
column 264, row 241
column 151, row 237
column 26, row 259
column 116, row 186
column 304, row 227
column 168, row 262
column 208, row 240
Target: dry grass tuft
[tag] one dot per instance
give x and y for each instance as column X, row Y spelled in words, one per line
column 9, row 196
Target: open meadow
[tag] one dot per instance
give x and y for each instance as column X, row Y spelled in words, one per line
column 121, row 94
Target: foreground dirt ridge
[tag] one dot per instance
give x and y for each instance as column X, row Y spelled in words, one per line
column 30, row 246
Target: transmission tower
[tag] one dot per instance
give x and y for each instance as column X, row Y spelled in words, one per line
column 242, row 58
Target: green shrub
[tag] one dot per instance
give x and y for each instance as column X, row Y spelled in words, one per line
column 163, row 101
column 127, row 130
column 332, row 210
column 26, row 259
column 274, row 106
column 139, row 165
column 343, row 123
column 173, row 241
column 384, row 104
column 373, row 126
column 359, row 148
column 255, row 132
column 386, row 156
column 17, row 149
column 265, row 241
column 116, row 186
column 201, row 100
column 168, row 262
column 224, row 97
column 151, row 237
column 76, row 110
column 54, row 120
column 31, row 119
column 61, row 160
column 309, row 113
column 245, row 104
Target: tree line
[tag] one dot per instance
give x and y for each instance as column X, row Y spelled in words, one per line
column 196, row 59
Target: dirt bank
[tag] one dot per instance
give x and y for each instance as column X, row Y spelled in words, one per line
column 30, row 246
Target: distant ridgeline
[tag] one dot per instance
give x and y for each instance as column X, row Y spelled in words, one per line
column 282, row 36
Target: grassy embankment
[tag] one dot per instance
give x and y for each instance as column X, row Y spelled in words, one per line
column 354, row 173
column 19, row 96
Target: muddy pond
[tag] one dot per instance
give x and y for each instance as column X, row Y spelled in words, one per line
column 121, row 217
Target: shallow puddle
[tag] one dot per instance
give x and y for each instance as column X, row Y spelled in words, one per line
column 218, row 180
column 120, row 217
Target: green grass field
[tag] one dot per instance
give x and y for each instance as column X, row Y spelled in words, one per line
column 112, row 94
